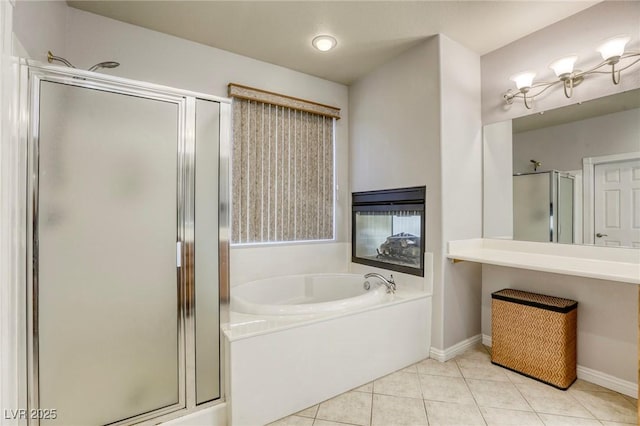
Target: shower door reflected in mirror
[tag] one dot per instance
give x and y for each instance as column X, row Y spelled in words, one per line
column 105, row 282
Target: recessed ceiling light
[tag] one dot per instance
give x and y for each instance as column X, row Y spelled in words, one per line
column 324, row 42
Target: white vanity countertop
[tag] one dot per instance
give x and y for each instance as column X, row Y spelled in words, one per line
column 606, row 263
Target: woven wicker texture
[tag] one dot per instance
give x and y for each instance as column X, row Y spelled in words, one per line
column 534, row 341
column 525, row 296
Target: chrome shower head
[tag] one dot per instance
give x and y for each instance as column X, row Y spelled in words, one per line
column 536, row 164
column 107, row 64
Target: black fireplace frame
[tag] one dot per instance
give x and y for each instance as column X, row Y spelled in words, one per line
column 407, row 199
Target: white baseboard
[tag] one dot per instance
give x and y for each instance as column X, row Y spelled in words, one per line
column 486, row 340
column 452, row 351
column 597, row 377
column 608, row 381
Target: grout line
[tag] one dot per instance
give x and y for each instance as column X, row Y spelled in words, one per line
column 371, row 412
column 515, row 386
column 475, row 400
column 426, row 413
column 469, row 389
column 424, row 403
column 580, row 403
column 333, row 421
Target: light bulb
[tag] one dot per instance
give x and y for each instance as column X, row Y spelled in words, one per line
column 324, row 42
column 523, row 80
column 613, row 48
column 563, row 66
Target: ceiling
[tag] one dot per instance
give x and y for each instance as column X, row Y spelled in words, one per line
column 369, row 33
column 581, row 111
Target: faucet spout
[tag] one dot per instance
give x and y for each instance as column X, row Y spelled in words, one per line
column 389, row 283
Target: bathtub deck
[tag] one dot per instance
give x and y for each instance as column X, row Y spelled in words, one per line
column 242, row 326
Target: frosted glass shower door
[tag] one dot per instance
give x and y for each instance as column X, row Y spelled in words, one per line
column 532, row 201
column 105, row 281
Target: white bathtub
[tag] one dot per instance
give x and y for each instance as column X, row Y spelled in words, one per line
column 306, row 294
column 295, row 341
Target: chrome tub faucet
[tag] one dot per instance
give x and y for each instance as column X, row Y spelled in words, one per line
column 390, row 283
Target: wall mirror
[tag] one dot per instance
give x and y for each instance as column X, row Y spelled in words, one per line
column 569, row 175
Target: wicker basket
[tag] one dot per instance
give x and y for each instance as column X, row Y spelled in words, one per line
column 535, row 335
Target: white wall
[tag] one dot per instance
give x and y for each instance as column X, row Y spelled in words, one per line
column 416, row 121
column 579, row 34
column 395, row 141
column 607, row 315
column 249, row 263
column 40, row 26
column 461, row 169
column 564, row 146
column 497, row 170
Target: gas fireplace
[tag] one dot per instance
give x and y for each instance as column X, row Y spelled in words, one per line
column 387, row 229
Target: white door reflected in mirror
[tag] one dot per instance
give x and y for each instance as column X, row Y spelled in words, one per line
column 617, row 204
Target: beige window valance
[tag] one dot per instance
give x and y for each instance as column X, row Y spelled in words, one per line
column 253, row 94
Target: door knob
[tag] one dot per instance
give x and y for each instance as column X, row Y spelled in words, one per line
column 599, row 235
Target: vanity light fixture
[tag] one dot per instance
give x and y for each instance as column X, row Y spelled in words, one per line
column 612, row 51
column 324, row 43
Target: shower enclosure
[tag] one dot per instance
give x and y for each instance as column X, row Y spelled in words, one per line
column 127, row 247
column 543, row 207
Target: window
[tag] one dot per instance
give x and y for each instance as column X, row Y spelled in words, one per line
column 283, row 168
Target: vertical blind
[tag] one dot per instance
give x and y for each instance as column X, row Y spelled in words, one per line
column 282, row 174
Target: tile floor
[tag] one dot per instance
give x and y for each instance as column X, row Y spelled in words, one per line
column 467, row 390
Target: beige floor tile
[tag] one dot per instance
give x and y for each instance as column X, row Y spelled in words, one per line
column 448, row 414
column 451, row 390
column 481, row 370
column 437, row 368
column 396, row 411
column 588, row 386
column 546, row 399
column 398, row 384
column 497, row 395
column 555, row 420
column 293, row 421
column 308, row 412
column 410, row 369
column 517, row 377
column 477, row 352
column 445, row 389
column 351, row 407
column 633, row 400
column 319, row 422
column 365, row 388
column 608, row 406
column 502, row 417
column 534, row 387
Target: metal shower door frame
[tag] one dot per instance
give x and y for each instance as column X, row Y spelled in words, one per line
column 31, row 76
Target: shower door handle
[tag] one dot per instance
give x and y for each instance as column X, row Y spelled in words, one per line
column 599, row 235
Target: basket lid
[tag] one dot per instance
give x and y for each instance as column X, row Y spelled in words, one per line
column 542, row 301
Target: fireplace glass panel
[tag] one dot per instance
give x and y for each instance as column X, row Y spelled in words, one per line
column 388, row 229
column 390, row 237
